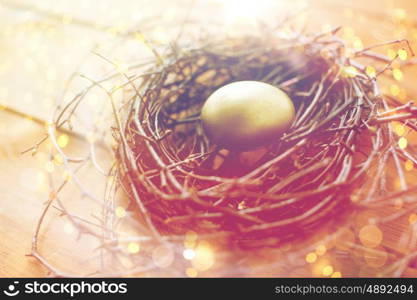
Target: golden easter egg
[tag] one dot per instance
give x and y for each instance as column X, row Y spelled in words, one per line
column 244, row 115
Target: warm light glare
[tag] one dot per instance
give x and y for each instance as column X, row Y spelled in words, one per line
column 120, row 212
column 402, row 143
column 395, row 90
column 204, row 257
column 409, row 165
column 397, row 74
column 400, row 130
column 349, row 71
column 311, row 257
column 63, row 140
column 191, row 272
column 412, row 219
column 327, row 270
column 370, row 71
column 133, row 248
column 370, row 236
column 402, row 54
column 189, row 254
column 321, row 250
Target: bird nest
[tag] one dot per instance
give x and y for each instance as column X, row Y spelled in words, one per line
column 182, row 181
column 340, row 155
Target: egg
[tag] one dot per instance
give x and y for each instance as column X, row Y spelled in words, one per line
column 245, row 115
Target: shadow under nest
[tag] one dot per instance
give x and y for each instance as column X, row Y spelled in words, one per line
column 283, row 191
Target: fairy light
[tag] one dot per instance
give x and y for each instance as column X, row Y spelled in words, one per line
column 402, row 143
column 204, row 258
column 370, row 71
column 412, row 219
column 133, row 248
column 399, row 14
column 311, row 257
column 190, row 239
column 398, row 203
column 399, row 129
column 397, row 74
column 189, row 254
column 349, row 71
column 402, row 95
column 191, row 272
column 395, row 90
column 58, row 160
column 370, row 236
column 321, row 250
column 120, row 212
column 402, row 54
column 327, row 270
column 408, row 165
column 63, row 140
column 243, row 9
column 391, row 54
column 357, row 43
column 336, row 274
column 66, row 176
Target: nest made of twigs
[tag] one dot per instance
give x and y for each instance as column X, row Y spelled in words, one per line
column 181, row 181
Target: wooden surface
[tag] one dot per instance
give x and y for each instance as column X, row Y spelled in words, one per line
column 41, row 44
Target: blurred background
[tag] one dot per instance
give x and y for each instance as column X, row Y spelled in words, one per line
column 42, row 44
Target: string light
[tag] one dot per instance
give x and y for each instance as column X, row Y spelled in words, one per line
column 408, row 165
column 133, row 248
column 370, row 71
column 321, row 250
column 204, row 257
column 395, row 90
column 402, row 54
column 191, row 272
column 399, row 129
column 336, row 275
column 189, row 254
column 58, row 160
column 311, row 257
column 190, row 239
column 402, row 143
column 63, row 140
column 391, row 54
column 349, row 71
column 412, row 219
column 327, row 270
column 370, row 236
column 397, row 74
column 120, row 212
